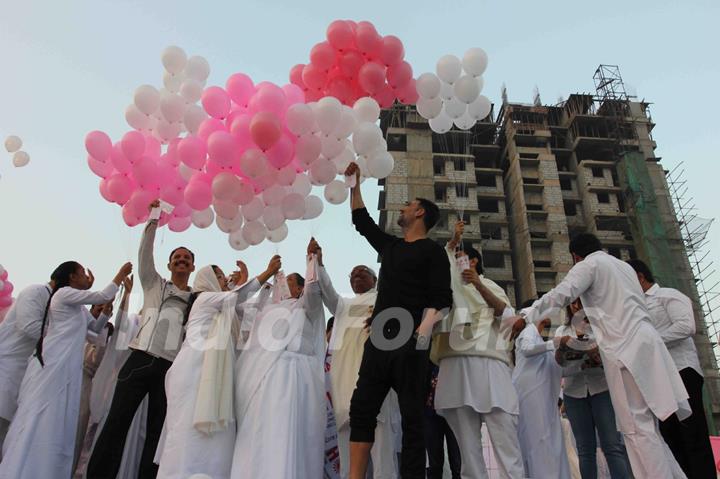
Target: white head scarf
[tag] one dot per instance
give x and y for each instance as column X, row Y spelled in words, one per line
column 206, row 281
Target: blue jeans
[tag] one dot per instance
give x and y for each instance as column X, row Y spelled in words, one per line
column 587, row 415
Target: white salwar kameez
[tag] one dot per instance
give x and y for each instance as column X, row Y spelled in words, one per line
column 41, row 440
column 186, row 450
column 280, row 392
column 347, row 343
column 537, row 380
column 642, row 378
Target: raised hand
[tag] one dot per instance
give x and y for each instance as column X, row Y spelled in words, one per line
column 128, row 284
column 353, row 169
column 123, row 273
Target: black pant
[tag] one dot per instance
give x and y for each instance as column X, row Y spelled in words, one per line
column 405, row 370
column 437, row 433
column 142, row 375
column 689, row 440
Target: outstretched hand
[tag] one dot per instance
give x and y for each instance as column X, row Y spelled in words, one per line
column 314, row 248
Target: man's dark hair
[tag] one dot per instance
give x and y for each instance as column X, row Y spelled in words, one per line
column 585, row 244
column 473, row 253
column 640, row 267
column 432, row 213
column 330, row 324
column 299, row 279
column 179, row 248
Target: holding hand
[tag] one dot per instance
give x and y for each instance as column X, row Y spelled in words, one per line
column 470, row 276
column 128, row 285
column 314, row 248
column 123, row 273
column 353, row 169
column 273, row 267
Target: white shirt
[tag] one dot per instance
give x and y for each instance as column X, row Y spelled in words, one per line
column 672, row 315
column 578, row 382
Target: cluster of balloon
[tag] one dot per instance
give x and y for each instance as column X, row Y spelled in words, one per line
column 354, row 62
column 13, row 144
column 6, row 289
column 452, row 94
column 249, row 167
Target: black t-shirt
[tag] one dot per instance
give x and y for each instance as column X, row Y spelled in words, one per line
column 413, row 276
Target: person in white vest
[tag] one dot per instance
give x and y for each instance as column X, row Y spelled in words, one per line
column 642, row 379
column 280, row 386
column 672, row 315
column 347, row 341
column 475, row 383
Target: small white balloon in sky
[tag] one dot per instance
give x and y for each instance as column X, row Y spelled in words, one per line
column 13, row 143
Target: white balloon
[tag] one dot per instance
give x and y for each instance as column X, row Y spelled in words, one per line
column 366, row 138
column 238, row 243
column 323, row 171
column 466, row 89
column 301, row 185
column 20, row 159
column 300, row 118
column 454, row 108
column 197, row 68
column 480, row 108
column 166, row 131
column 475, row 61
column 331, row 146
column 253, row 210
column 147, row 99
column 447, row 92
column 441, row 123
column 273, row 196
column 313, row 207
column 172, row 107
column 191, row 90
column 347, row 123
column 226, row 209
column 253, row 163
column 174, row 59
column 449, row 68
column 286, row 176
column 279, row 234
column 380, row 165
column 203, row 219
column 293, row 206
column 481, row 82
column 429, row 108
column 13, row 143
column 172, row 82
column 137, row 119
column 273, row 217
column 366, row 110
column 328, row 113
column 228, row 226
column 194, row 116
column 254, row 232
column 336, row 192
column 428, row 85
column 465, row 122
column 343, row 160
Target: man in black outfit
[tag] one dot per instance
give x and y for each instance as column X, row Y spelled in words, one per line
column 413, row 294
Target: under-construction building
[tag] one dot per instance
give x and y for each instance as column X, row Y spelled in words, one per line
column 530, row 176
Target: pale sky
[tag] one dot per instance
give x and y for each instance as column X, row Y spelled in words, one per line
column 71, row 66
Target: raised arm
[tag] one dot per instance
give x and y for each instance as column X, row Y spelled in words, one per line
column 146, row 261
column 457, row 236
column 330, row 297
column 471, row 276
column 577, row 281
column 74, row 296
column 364, row 224
column 527, row 348
column 96, row 325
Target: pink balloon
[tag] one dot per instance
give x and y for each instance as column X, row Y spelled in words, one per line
column 173, row 192
column 5, row 302
column 368, row 40
column 240, row 88
column 164, row 219
column 296, row 75
column 192, row 151
column 385, row 97
column 407, row 94
column 223, row 148
column 103, row 187
column 293, row 94
column 350, row 63
column 371, row 77
column 140, row 203
column 103, row 170
column 198, row 195
column 4, row 275
column 98, row 145
column 120, row 188
column 340, row 35
column 171, row 154
column 313, row 76
column 281, row 154
column 179, row 224
column 392, row 51
column 223, row 186
column 181, row 210
column 313, row 94
column 399, row 74
column 145, row 172
column 216, row 102
column 244, row 193
column 152, row 147
column 265, row 129
column 322, row 55
column 118, row 159
column 269, row 97
column 341, row 89
column 129, row 216
column 241, row 129
column 133, row 145
column 7, row 289
column 253, row 163
column 208, row 126
column 307, row 149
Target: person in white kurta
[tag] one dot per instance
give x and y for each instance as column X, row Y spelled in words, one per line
column 642, row 379
column 196, row 442
column 41, row 440
column 346, row 344
column 18, row 334
column 280, row 390
column 537, row 380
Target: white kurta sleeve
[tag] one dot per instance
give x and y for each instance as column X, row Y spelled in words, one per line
column 577, row 281
column 243, row 293
column 526, row 349
column 313, row 300
column 329, row 296
column 146, row 261
column 97, row 325
column 74, row 296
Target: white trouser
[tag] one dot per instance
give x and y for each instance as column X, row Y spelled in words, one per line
column 649, row 455
column 383, row 452
column 466, row 424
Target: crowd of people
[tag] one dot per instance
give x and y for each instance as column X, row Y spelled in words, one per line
column 230, row 376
